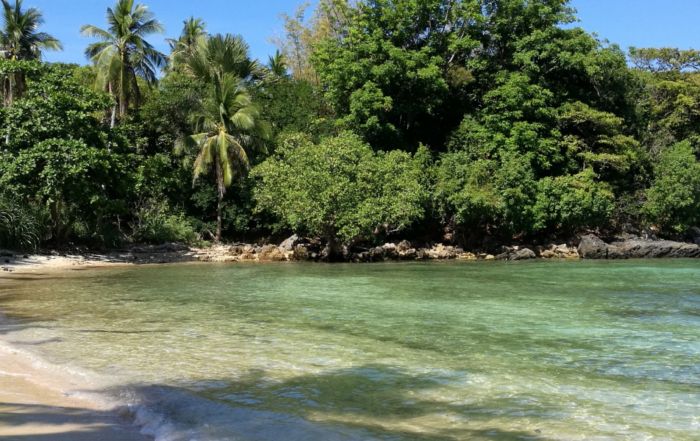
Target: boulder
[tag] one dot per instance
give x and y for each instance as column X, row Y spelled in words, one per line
column 442, row 252
column 592, row 247
column 289, row 243
column 377, row 254
column 404, row 246
column 647, row 249
column 271, row 253
column 390, row 250
column 562, row 251
column 6, row 253
column 522, row 254
column 302, row 252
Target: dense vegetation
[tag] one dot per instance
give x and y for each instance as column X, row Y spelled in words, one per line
column 473, row 121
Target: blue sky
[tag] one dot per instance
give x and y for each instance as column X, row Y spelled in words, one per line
column 639, row 23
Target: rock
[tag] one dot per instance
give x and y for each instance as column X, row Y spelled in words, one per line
column 404, row 246
column 271, row 253
column 290, row 243
column 376, row 254
column 522, row 254
column 301, row 252
column 649, row 249
column 409, row 254
column 442, row 252
column 592, row 247
column 562, row 251
column 390, row 251
column 489, row 257
column 6, row 253
column 467, row 256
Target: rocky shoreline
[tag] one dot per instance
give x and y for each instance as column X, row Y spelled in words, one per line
column 312, row 250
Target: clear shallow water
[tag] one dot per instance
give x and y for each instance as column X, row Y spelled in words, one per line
column 444, row 351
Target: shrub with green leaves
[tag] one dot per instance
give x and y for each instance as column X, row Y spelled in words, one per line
column 673, row 201
column 155, row 222
column 20, row 225
column 340, row 189
column 572, row 202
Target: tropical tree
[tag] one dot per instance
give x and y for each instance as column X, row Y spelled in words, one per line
column 229, row 122
column 123, row 55
column 20, row 40
column 277, row 65
column 192, row 30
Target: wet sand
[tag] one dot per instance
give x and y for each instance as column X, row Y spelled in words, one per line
column 37, row 403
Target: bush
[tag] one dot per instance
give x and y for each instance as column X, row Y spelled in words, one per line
column 20, row 225
column 340, row 189
column 155, row 222
column 572, row 202
column 673, row 201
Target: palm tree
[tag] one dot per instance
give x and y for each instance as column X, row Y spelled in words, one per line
column 277, row 65
column 229, row 123
column 20, row 40
column 193, row 30
column 123, row 55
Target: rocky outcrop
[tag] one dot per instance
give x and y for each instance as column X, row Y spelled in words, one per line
column 592, row 247
column 516, row 253
column 562, row 251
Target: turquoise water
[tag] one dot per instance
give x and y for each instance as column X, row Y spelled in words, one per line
column 414, row 351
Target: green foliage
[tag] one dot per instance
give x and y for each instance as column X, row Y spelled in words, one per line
column 486, row 194
column 79, row 185
column 57, row 105
column 155, row 222
column 389, row 75
column 340, row 189
column 572, row 202
column 20, row 225
column 673, row 201
column 538, row 128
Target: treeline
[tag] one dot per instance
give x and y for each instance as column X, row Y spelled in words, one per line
column 469, row 121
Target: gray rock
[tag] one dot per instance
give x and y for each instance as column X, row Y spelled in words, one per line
column 290, row 243
column 6, row 253
column 592, row 247
column 649, row 249
column 522, row 254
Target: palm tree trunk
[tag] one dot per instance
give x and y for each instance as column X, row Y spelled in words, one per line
column 113, row 117
column 123, row 95
column 220, row 200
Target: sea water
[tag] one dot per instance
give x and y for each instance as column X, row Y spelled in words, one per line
column 396, row 351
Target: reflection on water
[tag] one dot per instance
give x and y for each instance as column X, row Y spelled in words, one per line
column 444, row 351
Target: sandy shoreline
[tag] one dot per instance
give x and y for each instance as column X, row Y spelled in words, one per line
column 37, row 401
